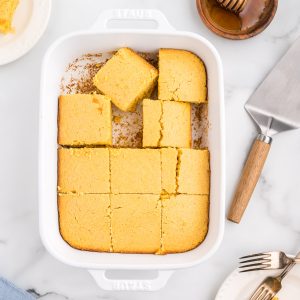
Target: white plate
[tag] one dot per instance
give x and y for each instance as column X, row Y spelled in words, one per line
column 30, row 21
column 240, row 286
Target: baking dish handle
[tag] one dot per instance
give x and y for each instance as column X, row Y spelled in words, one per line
column 131, row 284
column 132, row 14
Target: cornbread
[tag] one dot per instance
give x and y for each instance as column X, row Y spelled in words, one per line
column 83, row 170
column 84, row 221
column 193, row 172
column 135, row 171
column 182, row 76
column 7, row 10
column 166, row 124
column 126, row 78
column 84, row 120
column 168, row 170
column 152, row 113
column 176, row 124
column 136, row 222
column 184, row 222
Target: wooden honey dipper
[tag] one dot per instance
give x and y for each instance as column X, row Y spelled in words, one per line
column 235, row 6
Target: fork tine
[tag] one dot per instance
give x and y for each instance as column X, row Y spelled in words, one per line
column 255, row 266
column 250, row 270
column 255, row 263
column 263, row 294
column 269, row 296
column 267, row 254
column 255, row 260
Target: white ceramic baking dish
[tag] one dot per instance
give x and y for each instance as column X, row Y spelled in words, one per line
column 101, row 39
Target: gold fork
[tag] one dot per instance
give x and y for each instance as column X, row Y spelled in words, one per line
column 269, row 288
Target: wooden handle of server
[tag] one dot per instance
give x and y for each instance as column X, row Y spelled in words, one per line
column 250, row 175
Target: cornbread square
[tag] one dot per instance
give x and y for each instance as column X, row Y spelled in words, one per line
column 168, row 170
column 193, row 172
column 136, row 223
column 7, row 10
column 126, row 78
column 135, row 171
column 84, row 221
column 176, row 124
column 152, row 113
column 166, row 124
column 184, row 222
column 83, row 170
column 84, row 120
column 182, row 76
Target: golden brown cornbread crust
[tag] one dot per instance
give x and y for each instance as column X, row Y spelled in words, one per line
column 182, row 76
column 147, row 200
column 127, row 78
column 134, row 211
column 161, row 119
column 84, row 120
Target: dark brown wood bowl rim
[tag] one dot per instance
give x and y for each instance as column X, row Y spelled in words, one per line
column 235, row 36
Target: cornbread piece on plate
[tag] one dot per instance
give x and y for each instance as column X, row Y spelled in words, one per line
column 84, row 119
column 136, row 221
column 184, row 222
column 168, row 170
column 182, row 76
column 83, row 170
column 193, row 172
column 166, row 124
column 176, row 124
column 7, row 10
column 126, row 78
column 135, row 171
column 152, row 113
column 84, row 221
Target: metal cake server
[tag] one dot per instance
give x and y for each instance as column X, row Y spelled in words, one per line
column 275, row 107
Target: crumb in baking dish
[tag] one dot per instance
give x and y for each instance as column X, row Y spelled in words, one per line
column 193, row 172
column 166, row 124
column 135, row 171
column 168, row 170
column 7, row 11
column 182, row 76
column 136, row 223
column 84, row 221
column 184, row 222
column 126, row 78
column 83, row 170
column 84, row 119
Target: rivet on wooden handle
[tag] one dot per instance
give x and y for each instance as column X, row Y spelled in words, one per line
column 250, row 175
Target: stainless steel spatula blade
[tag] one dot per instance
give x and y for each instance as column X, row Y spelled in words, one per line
column 275, row 107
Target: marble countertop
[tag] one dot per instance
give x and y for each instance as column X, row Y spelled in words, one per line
column 272, row 220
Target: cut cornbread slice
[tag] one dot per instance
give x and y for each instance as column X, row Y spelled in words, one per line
column 126, row 78
column 176, row 124
column 152, row 113
column 7, row 10
column 83, row 170
column 84, row 120
column 166, row 124
column 193, row 172
column 184, row 222
column 136, row 223
column 182, row 76
column 135, row 171
column 168, row 170
column 84, row 221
